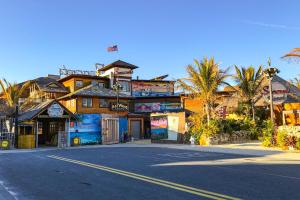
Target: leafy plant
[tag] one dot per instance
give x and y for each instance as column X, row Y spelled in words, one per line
column 249, row 83
column 291, row 141
column 298, row 144
column 282, row 139
column 267, row 133
column 203, row 80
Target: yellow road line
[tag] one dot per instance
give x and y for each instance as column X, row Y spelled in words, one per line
column 195, row 191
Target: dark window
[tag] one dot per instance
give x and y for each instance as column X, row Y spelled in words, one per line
column 103, row 103
column 79, row 84
column 87, row 102
column 101, row 85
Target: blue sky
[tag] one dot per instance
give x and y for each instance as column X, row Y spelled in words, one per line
column 161, row 37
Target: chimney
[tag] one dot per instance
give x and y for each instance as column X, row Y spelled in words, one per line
column 137, row 77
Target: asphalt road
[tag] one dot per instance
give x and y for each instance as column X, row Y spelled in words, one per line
column 143, row 173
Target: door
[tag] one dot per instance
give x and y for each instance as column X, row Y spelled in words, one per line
column 110, row 131
column 135, row 126
column 173, row 127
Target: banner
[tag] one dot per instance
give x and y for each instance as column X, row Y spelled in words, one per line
column 156, row 107
column 152, row 89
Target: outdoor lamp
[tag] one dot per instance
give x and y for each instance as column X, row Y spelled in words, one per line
column 270, row 72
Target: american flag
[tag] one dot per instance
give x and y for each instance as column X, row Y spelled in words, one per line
column 113, row 48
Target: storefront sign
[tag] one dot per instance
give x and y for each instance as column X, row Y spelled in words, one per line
column 119, row 107
column 280, row 93
column 156, row 107
column 55, row 110
column 152, row 89
column 5, row 144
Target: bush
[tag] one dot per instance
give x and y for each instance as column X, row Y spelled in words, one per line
column 291, row 141
column 298, row 144
column 282, row 139
column 267, row 133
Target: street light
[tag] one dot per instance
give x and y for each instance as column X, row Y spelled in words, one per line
column 117, row 88
column 270, row 72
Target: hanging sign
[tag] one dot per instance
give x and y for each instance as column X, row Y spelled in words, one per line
column 280, row 93
column 119, row 107
column 55, row 110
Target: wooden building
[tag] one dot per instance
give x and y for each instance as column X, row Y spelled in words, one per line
column 92, row 111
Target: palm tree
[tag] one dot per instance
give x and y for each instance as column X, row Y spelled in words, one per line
column 11, row 93
column 203, row 80
column 296, row 82
column 249, row 83
column 294, row 53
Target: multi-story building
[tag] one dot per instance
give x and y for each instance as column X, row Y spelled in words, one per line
column 107, row 107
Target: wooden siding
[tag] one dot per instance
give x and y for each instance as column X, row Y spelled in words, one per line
column 71, row 83
column 76, row 106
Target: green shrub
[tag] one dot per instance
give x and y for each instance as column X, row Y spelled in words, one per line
column 298, row 144
column 282, row 139
column 267, row 130
column 291, row 141
column 187, row 137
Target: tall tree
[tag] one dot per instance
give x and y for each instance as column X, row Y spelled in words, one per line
column 11, row 93
column 249, row 83
column 203, row 80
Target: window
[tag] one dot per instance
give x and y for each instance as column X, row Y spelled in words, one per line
column 87, row 102
column 125, row 86
column 101, row 85
column 79, row 84
column 103, row 103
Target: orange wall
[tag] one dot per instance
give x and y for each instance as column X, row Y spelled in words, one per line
column 194, row 105
column 86, row 81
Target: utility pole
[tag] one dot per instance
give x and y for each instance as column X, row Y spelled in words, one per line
column 16, row 126
column 270, row 72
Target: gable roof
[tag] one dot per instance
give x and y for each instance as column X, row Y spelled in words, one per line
column 34, row 111
column 44, row 84
column 95, row 91
column 118, row 63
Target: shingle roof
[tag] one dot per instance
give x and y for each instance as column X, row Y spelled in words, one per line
column 95, row 91
column 44, row 84
column 118, row 63
column 32, row 112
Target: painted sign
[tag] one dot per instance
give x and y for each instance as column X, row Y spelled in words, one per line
column 156, row 107
column 152, row 89
column 66, row 72
column 5, row 144
column 87, row 129
column 55, row 110
column 159, row 127
column 280, row 93
column 119, row 107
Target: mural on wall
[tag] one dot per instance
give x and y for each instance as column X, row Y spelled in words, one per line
column 156, row 107
column 87, row 129
column 159, row 127
column 152, row 89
